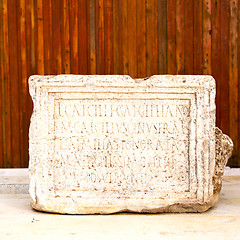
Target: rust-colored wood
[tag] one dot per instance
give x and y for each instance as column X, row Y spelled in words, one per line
column 7, row 144
column 23, row 82
column 14, row 84
column 2, row 124
column 216, row 54
column 162, row 36
column 188, row 37
column 123, row 5
column 47, row 36
column 171, row 35
column 132, row 37
column 82, row 41
column 74, row 36
column 66, row 38
column 151, row 37
column 225, row 11
column 39, row 39
column 92, row 37
column 135, row 37
column 238, row 146
column 207, row 32
column 108, row 47
column 180, row 36
column 100, row 36
column 56, row 35
column 116, row 36
column 233, row 78
column 141, row 39
column 198, row 38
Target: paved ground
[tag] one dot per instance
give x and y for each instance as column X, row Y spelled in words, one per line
column 19, row 221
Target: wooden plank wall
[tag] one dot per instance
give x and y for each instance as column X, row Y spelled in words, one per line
column 135, row 37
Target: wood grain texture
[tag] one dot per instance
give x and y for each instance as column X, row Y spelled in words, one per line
column 188, row 36
column 207, row 37
column 74, row 36
column 108, row 47
column 2, row 124
column 100, row 36
column 23, row 83
column 39, row 38
column 66, row 63
column 233, row 77
column 225, row 11
column 14, row 85
column 198, row 38
column 116, row 38
column 171, row 34
column 92, row 37
column 132, row 37
column 82, row 41
column 135, row 37
column 238, row 69
column 124, row 39
column 141, row 39
column 216, row 54
column 7, row 143
column 180, row 36
column 162, row 36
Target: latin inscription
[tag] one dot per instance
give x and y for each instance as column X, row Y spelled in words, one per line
column 121, row 145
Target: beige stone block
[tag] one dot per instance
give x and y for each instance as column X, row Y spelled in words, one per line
column 105, row 144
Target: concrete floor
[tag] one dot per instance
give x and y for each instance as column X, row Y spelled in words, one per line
column 19, row 221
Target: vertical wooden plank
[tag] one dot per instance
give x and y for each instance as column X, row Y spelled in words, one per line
column 14, row 84
column 120, row 35
column 33, row 37
column 39, row 40
column 29, row 44
column 188, row 37
column 116, row 43
column 47, row 36
column 7, row 131
column 19, row 47
column 66, row 38
column 1, row 87
column 108, row 23
column 207, row 36
column 216, row 54
column 162, row 37
column 238, row 148
column 56, row 37
column 92, row 38
column 30, row 55
column 100, row 36
column 151, row 38
column 124, row 30
column 82, row 40
column 141, row 39
column 180, row 36
column 225, row 10
column 198, row 38
column 132, row 36
column 171, row 33
column 23, row 85
column 233, row 78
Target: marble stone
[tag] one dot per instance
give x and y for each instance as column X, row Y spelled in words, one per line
column 105, row 144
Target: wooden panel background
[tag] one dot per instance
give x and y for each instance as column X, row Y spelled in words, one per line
column 135, row 37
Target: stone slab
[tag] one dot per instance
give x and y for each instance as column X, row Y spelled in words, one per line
column 104, row 144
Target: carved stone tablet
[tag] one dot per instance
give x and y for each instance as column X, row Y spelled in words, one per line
column 104, row 144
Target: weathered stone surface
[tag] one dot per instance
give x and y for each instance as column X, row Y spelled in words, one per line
column 104, row 144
